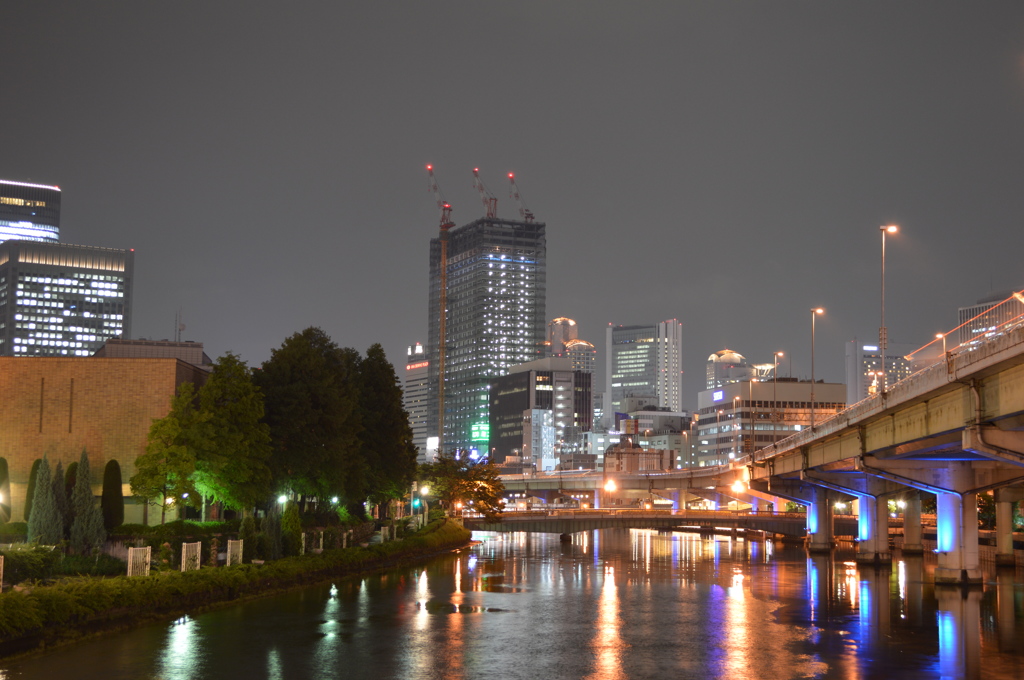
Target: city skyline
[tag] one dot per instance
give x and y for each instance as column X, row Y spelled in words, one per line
column 726, row 165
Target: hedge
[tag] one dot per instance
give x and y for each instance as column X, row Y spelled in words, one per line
column 69, row 607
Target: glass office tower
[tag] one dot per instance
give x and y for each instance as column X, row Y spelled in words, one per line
column 497, row 276
column 58, row 299
column 29, row 212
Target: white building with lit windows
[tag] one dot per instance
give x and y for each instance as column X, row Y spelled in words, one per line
column 414, row 399
column 864, row 368
column 58, row 299
column 739, row 418
column 644, row 361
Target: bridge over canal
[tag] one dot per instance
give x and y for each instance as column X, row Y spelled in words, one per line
column 792, row 524
column 954, row 429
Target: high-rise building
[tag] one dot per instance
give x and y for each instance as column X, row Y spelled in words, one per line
column 29, row 212
column 739, row 418
column 988, row 314
column 414, row 398
column 864, row 368
column 497, row 278
column 546, row 384
column 644, row 361
column 62, row 300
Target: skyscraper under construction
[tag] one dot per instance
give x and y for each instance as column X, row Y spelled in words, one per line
column 496, row 318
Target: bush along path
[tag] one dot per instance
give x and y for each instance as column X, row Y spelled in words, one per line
column 45, row 615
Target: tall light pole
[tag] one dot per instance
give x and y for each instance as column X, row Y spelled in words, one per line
column 942, row 336
column 718, row 437
column 815, row 311
column 883, row 334
column 736, row 431
column 775, row 399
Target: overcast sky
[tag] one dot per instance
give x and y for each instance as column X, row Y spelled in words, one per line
column 724, row 163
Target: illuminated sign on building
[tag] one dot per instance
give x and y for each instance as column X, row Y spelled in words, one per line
column 718, row 395
column 480, row 431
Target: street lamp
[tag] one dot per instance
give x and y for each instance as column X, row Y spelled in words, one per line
column 815, row 311
column 424, row 490
column 942, row 336
column 883, row 334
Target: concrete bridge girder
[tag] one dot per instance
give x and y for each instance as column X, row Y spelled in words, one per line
column 873, row 518
column 958, row 477
column 996, row 444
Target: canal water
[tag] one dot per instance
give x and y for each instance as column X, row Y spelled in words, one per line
column 613, row 604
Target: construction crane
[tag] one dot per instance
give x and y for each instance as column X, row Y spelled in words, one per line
column 490, row 201
column 513, row 192
column 446, row 223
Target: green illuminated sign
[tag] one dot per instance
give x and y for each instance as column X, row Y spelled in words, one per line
column 480, row 432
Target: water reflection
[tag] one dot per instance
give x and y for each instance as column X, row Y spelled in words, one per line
column 607, row 642
column 608, row 605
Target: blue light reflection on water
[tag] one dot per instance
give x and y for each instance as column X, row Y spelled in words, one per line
column 609, row 605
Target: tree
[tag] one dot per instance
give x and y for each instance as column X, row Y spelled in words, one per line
column 30, row 490
column 310, row 392
column 87, row 530
column 232, row 466
column 5, row 492
column 63, row 502
column 291, row 530
column 112, row 498
column 69, row 485
column 387, row 436
column 247, row 532
column 164, row 473
column 455, row 479
column 45, row 525
column 271, row 533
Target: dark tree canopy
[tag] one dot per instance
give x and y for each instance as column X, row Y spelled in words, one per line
column 112, row 497
column 387, row 436
column 311, row 397
column 232, row 465
column 30, row 490
column 63, row 500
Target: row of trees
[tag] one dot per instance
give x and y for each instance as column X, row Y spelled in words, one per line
column 318, row 421
column 62, row 508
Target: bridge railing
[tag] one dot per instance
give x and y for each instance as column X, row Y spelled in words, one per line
column 956, row 360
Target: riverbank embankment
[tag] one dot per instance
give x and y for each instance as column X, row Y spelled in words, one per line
column 41, row 616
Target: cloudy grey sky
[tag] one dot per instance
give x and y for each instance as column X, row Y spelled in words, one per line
column 724, row 163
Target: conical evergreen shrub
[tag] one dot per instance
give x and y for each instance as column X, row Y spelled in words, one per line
column 45, row 525
column 87, row 530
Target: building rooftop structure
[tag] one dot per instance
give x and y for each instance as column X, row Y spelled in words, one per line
column 188, row 351
column 29, row 212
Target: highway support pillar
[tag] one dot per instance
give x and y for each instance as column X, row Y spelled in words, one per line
column 1005, row 498
column 956, row 531
column 912, row 544
column 819, row 522
column 873, row 531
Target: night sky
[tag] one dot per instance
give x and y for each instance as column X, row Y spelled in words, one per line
column 724, row 163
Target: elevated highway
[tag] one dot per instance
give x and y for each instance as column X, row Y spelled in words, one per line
column 954, row 429
column 791, row 524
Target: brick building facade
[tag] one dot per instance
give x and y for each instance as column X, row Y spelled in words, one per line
column 59, row 406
